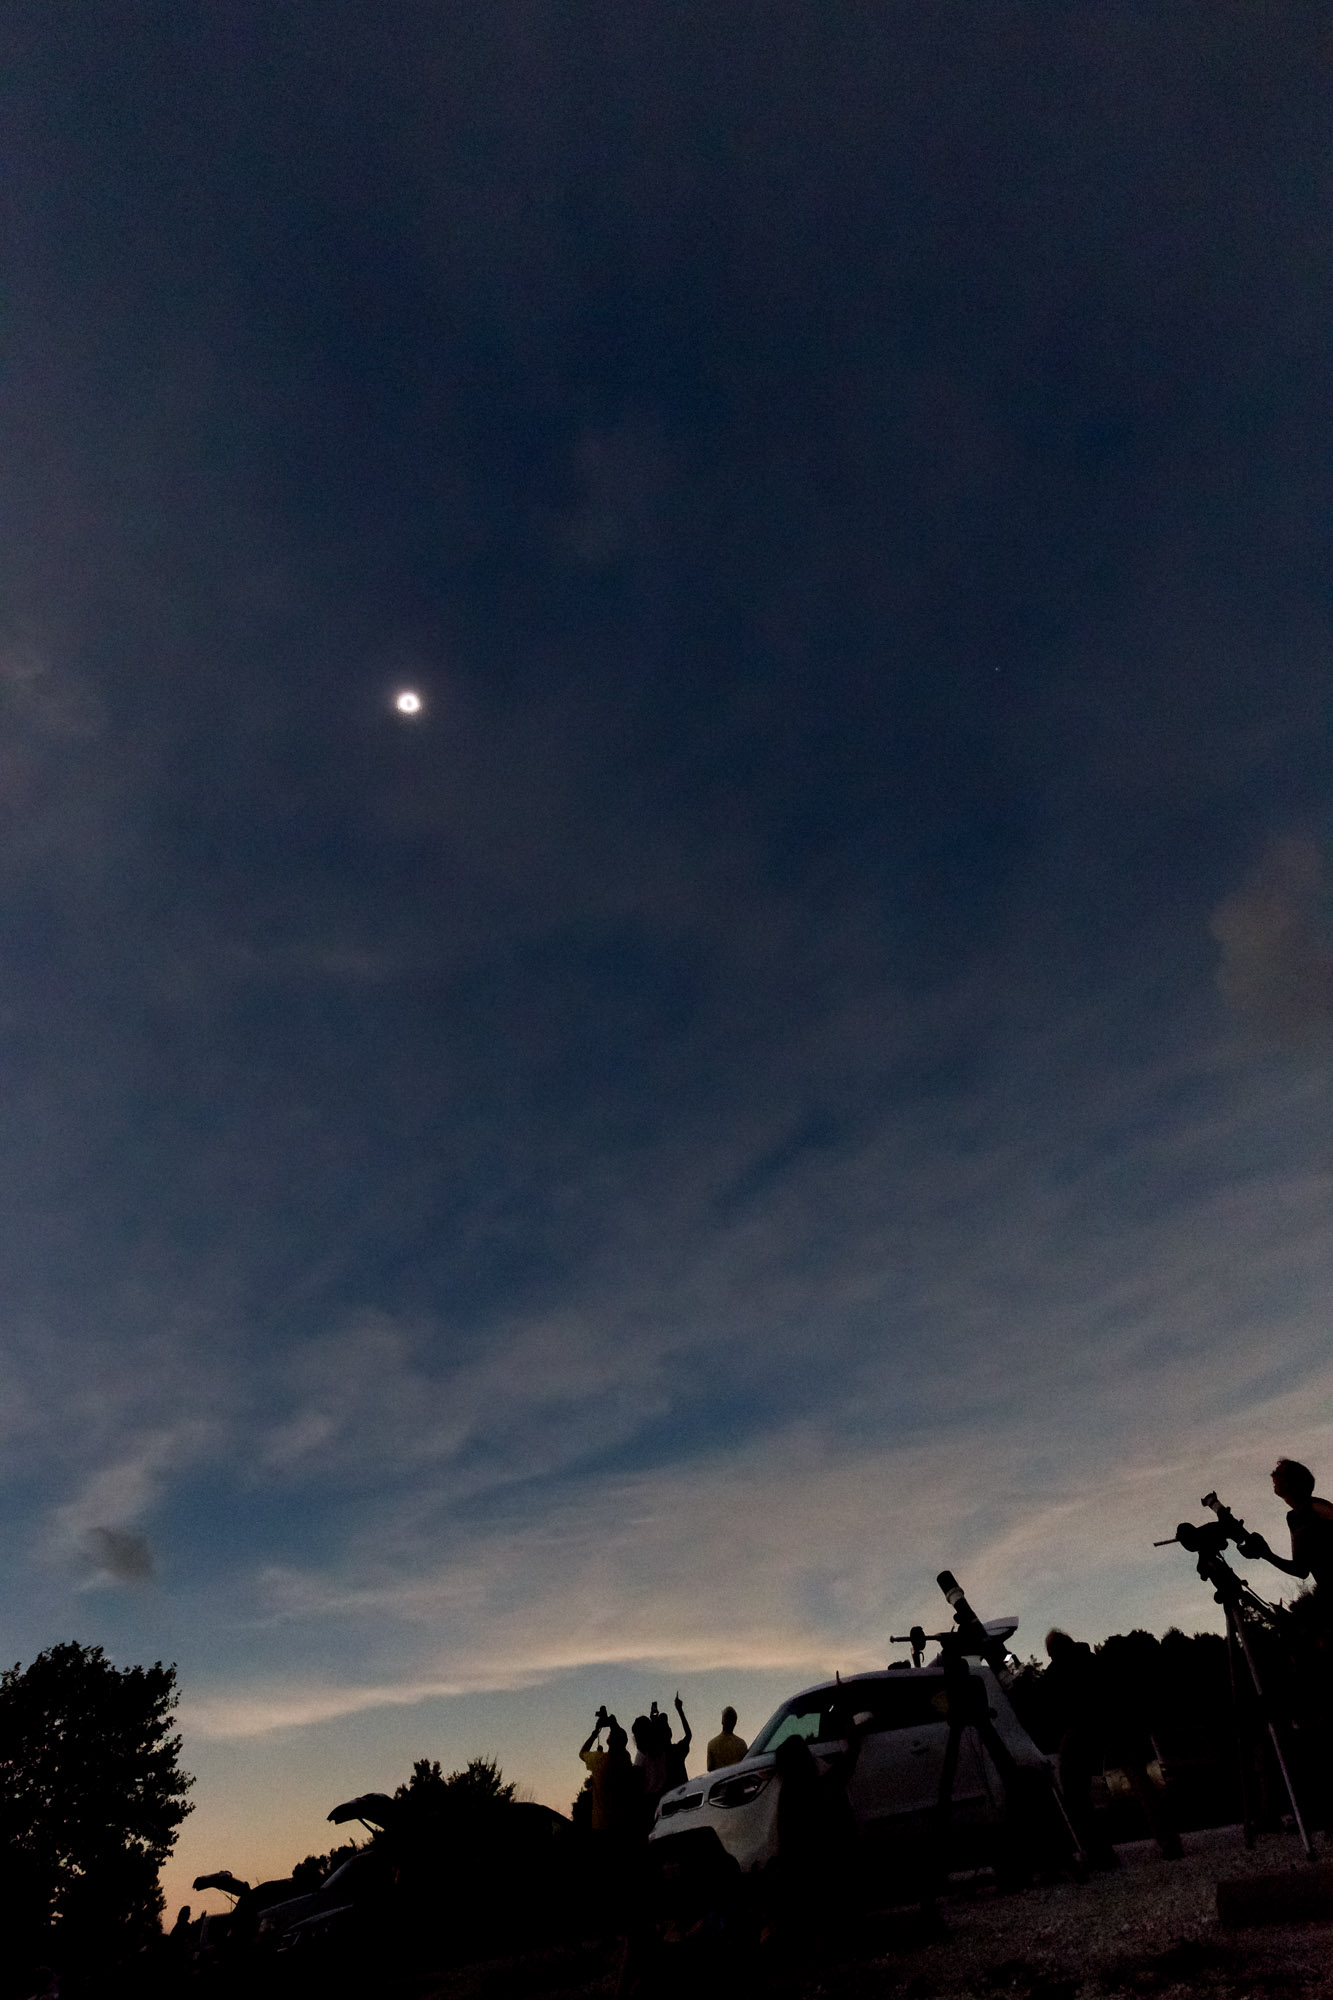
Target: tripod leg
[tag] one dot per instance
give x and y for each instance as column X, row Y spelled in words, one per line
column 1033, row 1807
column 1275, row 1740
column 1297, row 1815
column 944, row 1807
column 1243, row 1770
column 1079, row 1858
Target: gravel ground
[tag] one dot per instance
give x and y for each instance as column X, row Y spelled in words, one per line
column 1148, row 1929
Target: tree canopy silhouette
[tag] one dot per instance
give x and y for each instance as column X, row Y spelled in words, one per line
column 91, row 1793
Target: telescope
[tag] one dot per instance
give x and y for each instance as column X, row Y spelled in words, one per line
column 1201, row 1538
column 1207, row 1539
column 1244, row 1612
column 970, row 1635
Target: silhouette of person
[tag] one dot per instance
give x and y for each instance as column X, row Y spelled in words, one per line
column 1072, row 1686
column 613, row 1787
column 812, row 1874
column 613, row 1816
column 726, row 1748
column 1103, row 1718
column 677, row 1752
column 1310, row 1521
column 650, row 1761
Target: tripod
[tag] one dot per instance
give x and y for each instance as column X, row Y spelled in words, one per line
column 1041, row 1828
column 1240, row 1606
column 1032, row 1803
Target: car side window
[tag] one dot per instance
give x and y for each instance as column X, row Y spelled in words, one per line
column 898, row 1704
column 822, row 1716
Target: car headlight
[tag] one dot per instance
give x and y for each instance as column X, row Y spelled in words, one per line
column 739, row 1791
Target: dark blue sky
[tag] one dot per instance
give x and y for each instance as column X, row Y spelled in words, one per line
column 808, row 1060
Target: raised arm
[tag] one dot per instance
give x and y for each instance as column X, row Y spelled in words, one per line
column 686, row 1733
column 602, row 1720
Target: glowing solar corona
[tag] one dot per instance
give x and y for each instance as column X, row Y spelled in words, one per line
column 408, row 702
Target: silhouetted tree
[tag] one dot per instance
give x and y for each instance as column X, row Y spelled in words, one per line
column 476, row 1867
column 480, row 1783
column 91, row 1795
column 316, row 1868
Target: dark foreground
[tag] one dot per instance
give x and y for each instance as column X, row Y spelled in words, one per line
column 1149, row 1931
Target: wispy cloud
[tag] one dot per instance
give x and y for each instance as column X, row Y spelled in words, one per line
column 1276, row 937
column 46, row 696
column 800, row 1550
column 94, row 1533
column 1028, row 1368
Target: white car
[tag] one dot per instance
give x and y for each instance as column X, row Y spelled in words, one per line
column 894, row 1789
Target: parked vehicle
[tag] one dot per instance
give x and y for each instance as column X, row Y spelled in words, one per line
column 901, row 1716
column 361, row 1878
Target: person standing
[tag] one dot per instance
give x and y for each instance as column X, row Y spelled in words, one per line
column 612, row 1775
column 727, row 1748
column 1310, row 1522
column 1104, row 1715
column 650, row 1763
column 677, row 1752
column 1072, row 1687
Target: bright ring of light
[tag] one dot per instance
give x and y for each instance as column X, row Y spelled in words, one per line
column 408, row 702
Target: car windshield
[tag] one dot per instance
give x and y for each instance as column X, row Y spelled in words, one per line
column 795, row 1719
column 803, row 1717
column 885, row 1704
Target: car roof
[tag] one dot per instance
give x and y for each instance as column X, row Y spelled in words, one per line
column 903, row 1673
column 994, row 1628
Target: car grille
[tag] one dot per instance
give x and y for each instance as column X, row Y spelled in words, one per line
column 670, row 1807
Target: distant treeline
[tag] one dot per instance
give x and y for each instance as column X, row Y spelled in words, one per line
column 1179, row 1686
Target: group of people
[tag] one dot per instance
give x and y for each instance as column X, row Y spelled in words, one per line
column 625, row 1789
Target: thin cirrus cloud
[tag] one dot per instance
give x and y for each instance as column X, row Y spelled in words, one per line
column 1101, row 1255
column 1275, row 934
column 798, row 1552
column 1032, row 1372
